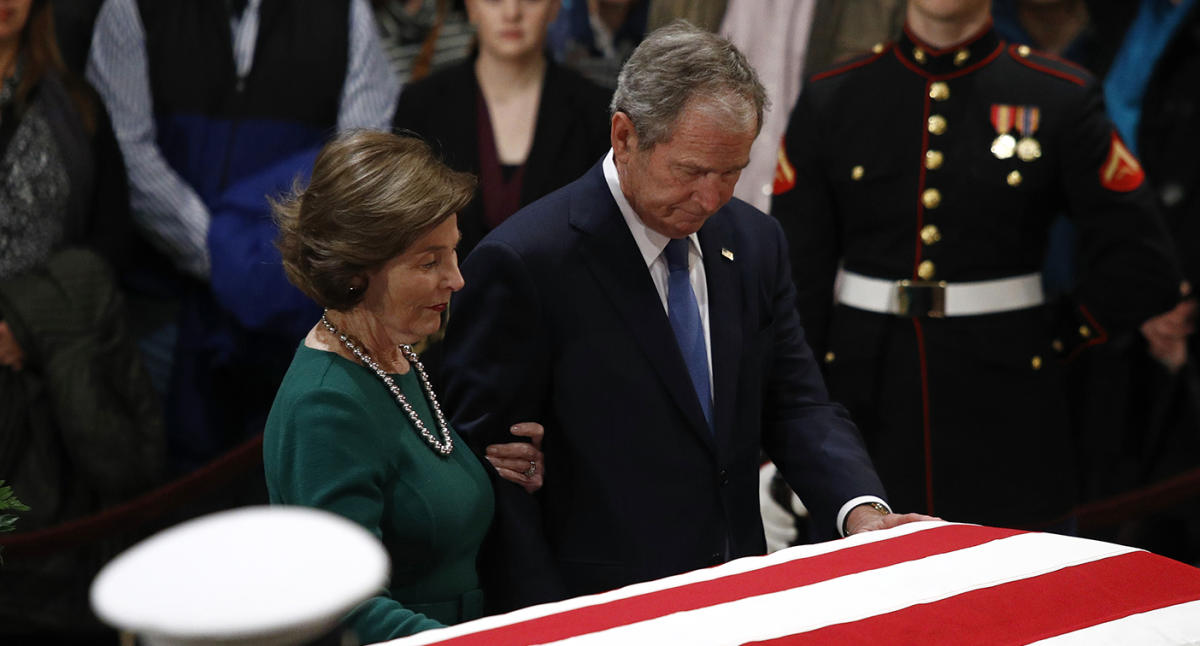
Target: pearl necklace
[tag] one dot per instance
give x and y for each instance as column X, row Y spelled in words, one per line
column 443, row 447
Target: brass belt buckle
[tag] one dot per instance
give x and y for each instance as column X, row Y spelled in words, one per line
column 922, row 298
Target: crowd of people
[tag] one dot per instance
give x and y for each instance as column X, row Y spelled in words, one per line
column 929, row 258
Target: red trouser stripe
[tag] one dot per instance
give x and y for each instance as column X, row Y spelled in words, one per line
column 925, row 416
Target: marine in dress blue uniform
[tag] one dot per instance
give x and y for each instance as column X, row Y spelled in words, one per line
column 916, row 188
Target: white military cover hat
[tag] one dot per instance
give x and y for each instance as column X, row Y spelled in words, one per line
column 254, row 575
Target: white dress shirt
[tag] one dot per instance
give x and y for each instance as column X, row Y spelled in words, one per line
column 652, row 243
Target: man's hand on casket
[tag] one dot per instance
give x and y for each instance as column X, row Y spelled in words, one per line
column 866, row 518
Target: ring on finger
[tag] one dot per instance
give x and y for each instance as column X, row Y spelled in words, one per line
column 532, row 470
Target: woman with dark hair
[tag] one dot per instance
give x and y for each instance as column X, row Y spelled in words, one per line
column 79, row 423
column 356, row 428
column 522, row 123
column 56, row 119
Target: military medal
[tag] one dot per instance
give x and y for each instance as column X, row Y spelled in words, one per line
column 1002, row 120
column 1028, row 148
column 1003, row 146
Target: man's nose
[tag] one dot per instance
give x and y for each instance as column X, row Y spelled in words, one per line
column 712, row 193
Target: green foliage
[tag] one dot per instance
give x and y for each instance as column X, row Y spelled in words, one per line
column 9, row 502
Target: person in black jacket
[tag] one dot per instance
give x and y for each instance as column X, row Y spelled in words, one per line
column 80, row 427
column 522, row 123
column 1144, row 398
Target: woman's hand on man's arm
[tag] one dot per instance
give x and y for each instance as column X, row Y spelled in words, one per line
column 521, row 462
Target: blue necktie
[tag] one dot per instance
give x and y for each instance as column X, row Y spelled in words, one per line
column 684, row 314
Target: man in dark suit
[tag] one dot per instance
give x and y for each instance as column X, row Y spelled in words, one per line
column 599, row 310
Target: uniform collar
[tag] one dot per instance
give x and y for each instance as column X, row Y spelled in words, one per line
column 931, row 61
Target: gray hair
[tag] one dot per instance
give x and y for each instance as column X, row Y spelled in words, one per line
column 675, row 65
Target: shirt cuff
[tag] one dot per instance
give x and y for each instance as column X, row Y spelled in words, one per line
column 854, row 502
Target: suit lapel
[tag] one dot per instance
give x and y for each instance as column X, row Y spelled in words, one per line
column 613, row 257
column 724, row 319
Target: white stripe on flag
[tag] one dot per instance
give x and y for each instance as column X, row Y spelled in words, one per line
column 1170, row 626
column 739, row 566
column 842, row 600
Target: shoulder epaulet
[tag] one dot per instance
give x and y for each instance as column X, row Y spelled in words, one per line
column 1049, row 64
column 865, row 58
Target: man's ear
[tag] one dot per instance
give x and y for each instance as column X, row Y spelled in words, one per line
column 623, row 136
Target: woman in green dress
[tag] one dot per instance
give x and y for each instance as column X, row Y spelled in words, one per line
column 356, row 428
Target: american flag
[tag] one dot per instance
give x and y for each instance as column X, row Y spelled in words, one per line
column 925, row 583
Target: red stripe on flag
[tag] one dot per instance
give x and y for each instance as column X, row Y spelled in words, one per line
column 792, row 574
column 1027, row 610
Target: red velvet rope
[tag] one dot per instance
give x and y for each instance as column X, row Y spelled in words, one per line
column 139, row 511
column 153, row 505
column 1140, row 502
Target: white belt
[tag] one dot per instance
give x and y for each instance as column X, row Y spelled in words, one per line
column 939, row 298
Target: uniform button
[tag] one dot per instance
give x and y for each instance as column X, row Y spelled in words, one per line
column 931, row 198
column 723, row 477
column 830, row 356
column 1085, row 331
column 1172, row 194
column 937, row 124
column 1057, row 344
column 1036, row 362
column 930, row 234
column 919, row 55
column 961, row 56
column 1023, row 51
column 877, row 48
column 856, row 173
column 933, row 159
column 939, row 91
column 925, row 270
column 1014, row 178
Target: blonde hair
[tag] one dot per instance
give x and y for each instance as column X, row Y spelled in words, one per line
column 371, row 196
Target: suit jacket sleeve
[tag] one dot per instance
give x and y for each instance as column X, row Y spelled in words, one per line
column 1128, row 267
column 811, row 439
column 497, row 367
column 806, row 213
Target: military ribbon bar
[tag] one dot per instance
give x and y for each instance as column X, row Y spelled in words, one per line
column 1002, row 117
column 1027, row 119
